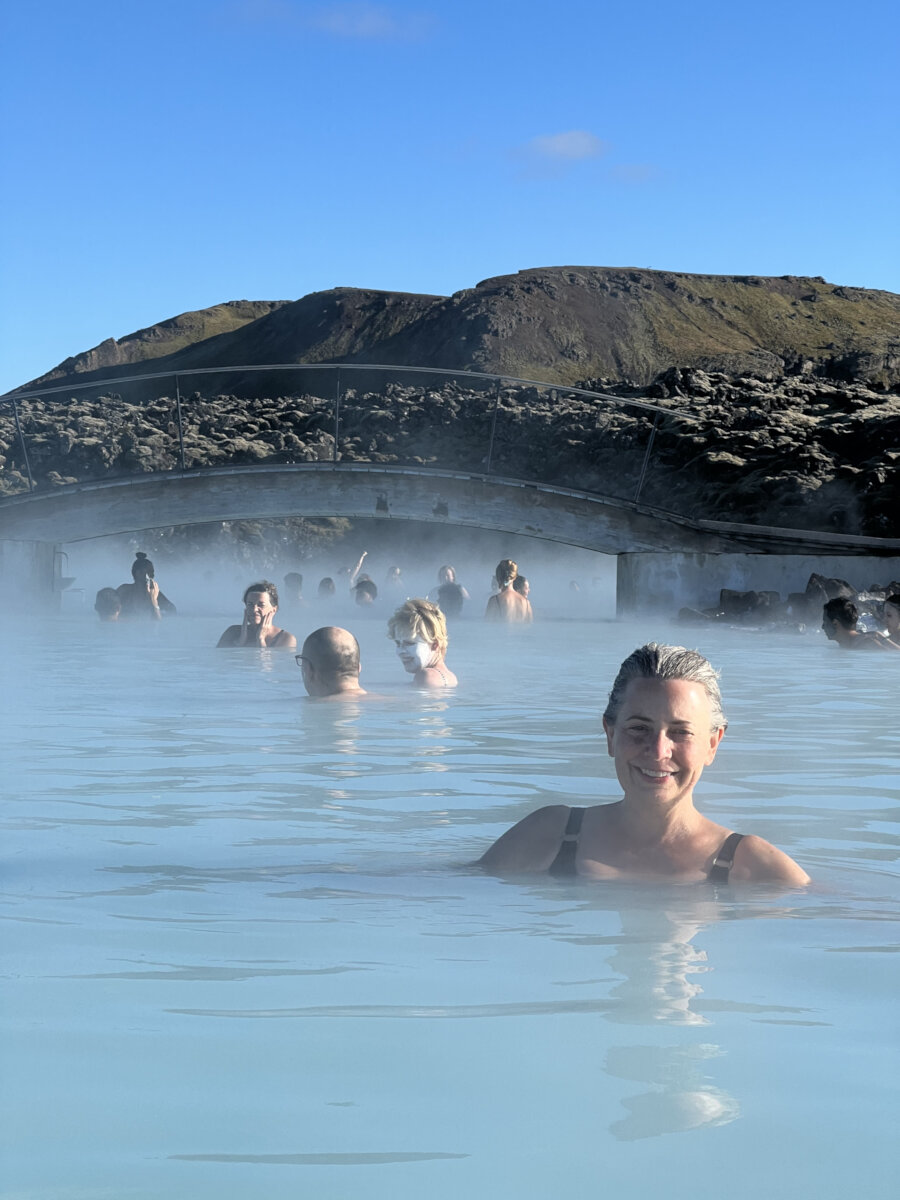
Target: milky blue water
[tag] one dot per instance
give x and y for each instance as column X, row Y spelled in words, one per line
column 243, row 956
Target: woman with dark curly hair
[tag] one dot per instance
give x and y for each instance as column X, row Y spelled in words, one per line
column 258, row 627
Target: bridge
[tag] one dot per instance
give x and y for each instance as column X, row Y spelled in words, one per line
column 86, row 461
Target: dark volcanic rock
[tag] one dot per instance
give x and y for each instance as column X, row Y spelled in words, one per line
column 759, row 451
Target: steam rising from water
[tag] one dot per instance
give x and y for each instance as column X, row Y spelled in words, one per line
column 212, row 584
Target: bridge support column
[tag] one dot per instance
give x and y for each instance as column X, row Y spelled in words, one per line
column 666, row 582
column 32, row 567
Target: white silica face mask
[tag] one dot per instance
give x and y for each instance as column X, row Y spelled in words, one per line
column 415, row 656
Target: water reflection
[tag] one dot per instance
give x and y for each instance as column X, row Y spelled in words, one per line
column 661, row 969
column 680, row 1096
column 435, row 732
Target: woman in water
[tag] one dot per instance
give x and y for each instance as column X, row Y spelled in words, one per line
column 663, row 725
column 449, row 595
column 143, row 598
column 419, row 632
column 258, row 628
column 508, row 604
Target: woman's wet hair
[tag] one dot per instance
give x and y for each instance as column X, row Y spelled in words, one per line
column 420, row 619
column 366, row 587
column 841, row 610
column 326, row 586
column 446, row 574
column 141, row 566
column 654, row 661
column 506, row 572
column 266, row 586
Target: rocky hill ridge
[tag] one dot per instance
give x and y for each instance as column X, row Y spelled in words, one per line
column 562, row 324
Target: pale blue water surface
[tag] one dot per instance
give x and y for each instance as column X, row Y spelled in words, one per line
column 242, row 958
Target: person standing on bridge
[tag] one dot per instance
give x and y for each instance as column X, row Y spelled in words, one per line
column 258, row 627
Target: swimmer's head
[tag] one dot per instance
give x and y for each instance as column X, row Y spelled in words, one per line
column 839, row 611
column 366, row 592
column 329, row 661
column 892, row 614
column 446, row 575
column 293, row 582
column 326, row 586
column 266, row 588
column 521, row 585
column 419, row 620
column 142, row 567
column 108, row 604
column 505, row 573
column 655, row 661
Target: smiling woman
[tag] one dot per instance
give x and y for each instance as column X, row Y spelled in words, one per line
column 663, row 725
column 419, row 632
column 258, row 627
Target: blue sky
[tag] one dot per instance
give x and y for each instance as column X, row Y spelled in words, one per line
column 167, row 157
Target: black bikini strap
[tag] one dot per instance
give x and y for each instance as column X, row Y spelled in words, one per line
column 724, row 860
column 564, row 863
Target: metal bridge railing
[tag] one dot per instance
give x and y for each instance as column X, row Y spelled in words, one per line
column 533, row 430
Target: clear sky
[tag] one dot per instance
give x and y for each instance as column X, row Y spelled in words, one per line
column 169, row 156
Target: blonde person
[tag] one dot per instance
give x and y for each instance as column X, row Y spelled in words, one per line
column 508, row 604
column 419, row 632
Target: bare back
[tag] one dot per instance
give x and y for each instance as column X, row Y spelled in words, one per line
column 509, row 605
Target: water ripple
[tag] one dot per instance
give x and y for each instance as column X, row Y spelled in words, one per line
column 406, row 1012
column 362, row 1159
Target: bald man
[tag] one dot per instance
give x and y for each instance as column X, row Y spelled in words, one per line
column 329, row 661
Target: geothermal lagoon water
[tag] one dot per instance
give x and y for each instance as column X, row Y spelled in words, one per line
column 243, row 956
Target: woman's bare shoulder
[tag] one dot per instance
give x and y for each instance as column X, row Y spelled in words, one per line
column 758, row 861
column 434, row 677
column 531, row 844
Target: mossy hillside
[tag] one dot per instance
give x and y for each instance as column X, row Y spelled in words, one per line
column 632, row 324
column 156, row 342
column 561, row 324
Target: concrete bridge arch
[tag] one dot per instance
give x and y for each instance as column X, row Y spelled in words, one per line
column 647, row 541
column 353, row 490
column 660, row 556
